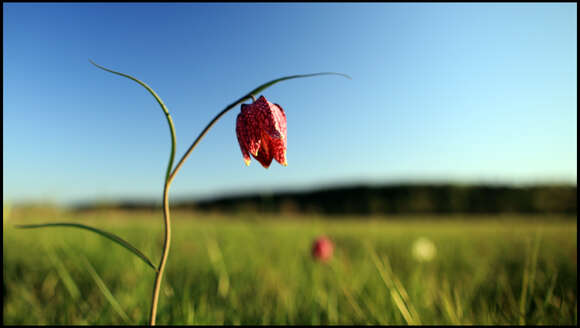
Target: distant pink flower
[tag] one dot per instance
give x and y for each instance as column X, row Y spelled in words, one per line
column 261, row 131
column 322, row 249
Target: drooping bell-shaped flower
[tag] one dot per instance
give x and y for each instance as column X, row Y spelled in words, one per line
column 261, row 131
column 322, row 249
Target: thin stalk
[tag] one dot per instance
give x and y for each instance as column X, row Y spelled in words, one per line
column 170, row 175
column 167, row 220
column 204, row 132
column 250, row 95
column 166, row 244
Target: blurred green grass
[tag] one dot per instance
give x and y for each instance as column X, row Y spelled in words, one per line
column 251, row 269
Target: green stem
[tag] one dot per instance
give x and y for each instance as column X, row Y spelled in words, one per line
column 250, row 95
column 170, row 175
column 166, row 244
column 167, row 219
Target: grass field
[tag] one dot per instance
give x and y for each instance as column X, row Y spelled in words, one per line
column 257, row 270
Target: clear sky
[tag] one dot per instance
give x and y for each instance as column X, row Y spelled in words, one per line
column 461, row 93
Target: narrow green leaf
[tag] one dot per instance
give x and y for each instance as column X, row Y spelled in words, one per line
column 266, row 86
column 163, row 107
column 271, row 83
column 103, row 233
column 234, row 104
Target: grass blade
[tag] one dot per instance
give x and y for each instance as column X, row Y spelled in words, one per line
column 105, row 290
column 396, row 294
column 524, row 292
column 103, row 233
column 550, row 292
column 353, row 303
column 64, row 274
column 219, row 266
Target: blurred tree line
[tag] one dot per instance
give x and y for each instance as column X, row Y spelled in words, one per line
column 391, row 199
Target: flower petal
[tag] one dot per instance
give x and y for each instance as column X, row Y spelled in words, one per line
column 278, row 150
column 265, row 155
column 261, row 130
column 243, row 137
column 266, row 117
column 252, row 126
column 280, row 118
column 278, row 147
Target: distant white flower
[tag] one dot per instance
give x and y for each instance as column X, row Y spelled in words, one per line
column 424, row 250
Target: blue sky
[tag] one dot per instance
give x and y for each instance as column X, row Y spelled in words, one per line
column 462, row 93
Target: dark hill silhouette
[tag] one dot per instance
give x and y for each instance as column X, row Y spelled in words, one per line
column 389, row 199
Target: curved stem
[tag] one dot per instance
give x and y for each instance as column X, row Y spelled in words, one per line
column 166, row 244
column 167, row 220
column 250, row 95
column 203, row 133
column 170, row 175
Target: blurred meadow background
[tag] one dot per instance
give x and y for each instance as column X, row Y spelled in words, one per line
column 444, row 172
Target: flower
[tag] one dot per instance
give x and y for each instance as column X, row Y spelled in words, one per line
column 322, row 249
column 261, row 131
column 424, row 250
